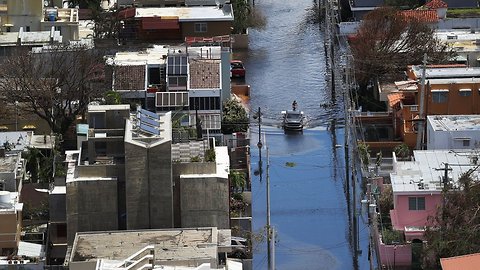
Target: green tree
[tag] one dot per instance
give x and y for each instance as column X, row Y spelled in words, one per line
column 246, row 16
column 364, row 154
column 402, row 151
column 455, row 229
column 113, row 98
column 235, row 118
column 237, row 180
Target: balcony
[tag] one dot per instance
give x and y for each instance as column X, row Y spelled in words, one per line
column 65, row 15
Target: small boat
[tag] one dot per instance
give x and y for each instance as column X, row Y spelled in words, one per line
column 292, row 120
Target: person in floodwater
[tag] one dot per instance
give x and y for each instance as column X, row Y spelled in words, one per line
column 294, row 105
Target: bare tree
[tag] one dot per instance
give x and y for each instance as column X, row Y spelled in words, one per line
column 56, row 84
column 387, row 41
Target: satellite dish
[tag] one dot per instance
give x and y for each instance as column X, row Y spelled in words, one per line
column 45, row 3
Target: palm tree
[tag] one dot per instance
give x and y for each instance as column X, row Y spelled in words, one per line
column 402, row 151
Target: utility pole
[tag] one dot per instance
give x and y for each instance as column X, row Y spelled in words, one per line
column 258, row 116
column 421, row 115
column 269, row 232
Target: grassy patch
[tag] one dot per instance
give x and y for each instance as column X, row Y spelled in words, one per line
column 463, row 12
column 290, row 164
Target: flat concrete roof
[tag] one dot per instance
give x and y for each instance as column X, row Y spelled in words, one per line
column 428, row 168
column 17, row 140
column 8, row 163
column 454, row 80
column 104, row 108
column 442, row 73
column 187, row 14
column 183, row 244
column 152, row 56
column 454, row 122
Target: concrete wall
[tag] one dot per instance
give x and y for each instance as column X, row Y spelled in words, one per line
column 148, row 184
column 91, row 206
column 186, row 168
column 446, row 139
column 240, row 41
column 406, row 217
column 401, row 254
column 204, row 202
column 213, row 29
column 8, row 230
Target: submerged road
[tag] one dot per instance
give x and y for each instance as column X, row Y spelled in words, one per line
column 309, row 193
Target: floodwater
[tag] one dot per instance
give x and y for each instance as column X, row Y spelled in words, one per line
column 310, row 211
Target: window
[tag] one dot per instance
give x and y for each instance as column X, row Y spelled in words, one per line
column 205, row 103
column 439, row 96
column 177, row 81
column 200, row 27
column 27, row 29
column 209, row 121
column 416, row 203
column 177, row 65
column 172, row 99
column 153, row 76
column 465, row 92
column 466, row 143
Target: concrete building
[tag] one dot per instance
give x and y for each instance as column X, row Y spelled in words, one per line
column 193, row 248
column 453, row 132
column 10, row 41
column 11, row 222
column 417, row 186
column 33, row 15
column 167, row 3
column 148, row 175
column 56, row 247
column 192, row 80
column 175, row 23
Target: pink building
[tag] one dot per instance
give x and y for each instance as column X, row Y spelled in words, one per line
column 417, row 194
column 417, row 186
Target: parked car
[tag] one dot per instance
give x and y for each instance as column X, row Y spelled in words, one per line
column 237, row 70
column 239, row 248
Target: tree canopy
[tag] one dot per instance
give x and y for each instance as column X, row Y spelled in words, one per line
column 234, row 117
column 455, row 229
column 56, row 85
column 388, row 41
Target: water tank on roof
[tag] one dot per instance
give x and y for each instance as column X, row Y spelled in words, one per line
column 5, row 196
column 52, row 14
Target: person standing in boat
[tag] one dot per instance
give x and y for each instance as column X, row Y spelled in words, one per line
column 294, row 105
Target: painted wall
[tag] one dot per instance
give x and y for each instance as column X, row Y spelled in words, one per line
column 446, row 139
column 391, row 255
column 406, row 217
column 213, row 29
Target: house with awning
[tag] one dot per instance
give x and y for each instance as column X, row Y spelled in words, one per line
column 175, row 23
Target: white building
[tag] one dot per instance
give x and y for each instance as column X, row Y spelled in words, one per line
column 453, row 132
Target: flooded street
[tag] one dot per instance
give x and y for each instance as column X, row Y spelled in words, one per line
column 309, row 206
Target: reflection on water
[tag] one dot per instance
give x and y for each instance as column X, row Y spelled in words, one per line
column 309, row 209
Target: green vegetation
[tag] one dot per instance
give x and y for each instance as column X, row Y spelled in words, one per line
column 234, row 118
column 455, row 229
column 195, row 159
column 290, row 164
column 246, row 16
column 364, row 154
column 238, row 180
column 210, row 155
column 402, row 151
column 391, row 237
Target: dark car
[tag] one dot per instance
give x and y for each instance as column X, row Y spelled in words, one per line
column 237, row 70
column 292, row 120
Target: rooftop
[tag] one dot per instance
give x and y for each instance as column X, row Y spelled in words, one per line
column 465, row 262
column 204, row 74
column 425, row 173
column 15, row 141
column 186, row 14
column 146, row 131
column 443, row 73
column 170, row 244
column 29, row 38
column 428, row 16
column 454, row 122
column 155, row 55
